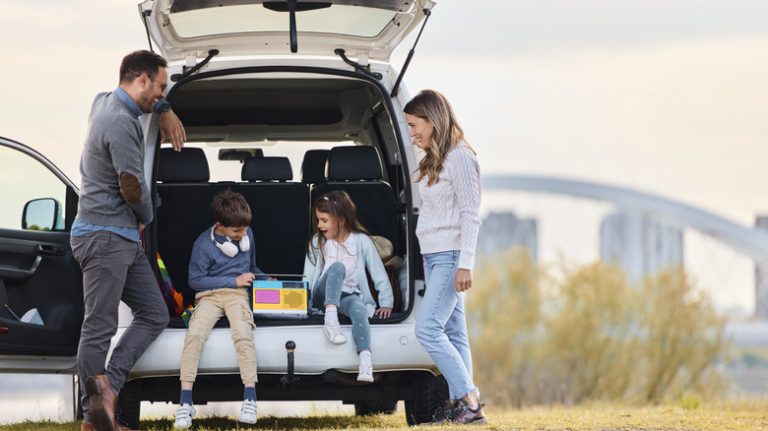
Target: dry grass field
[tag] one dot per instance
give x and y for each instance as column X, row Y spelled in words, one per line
column 715, row 416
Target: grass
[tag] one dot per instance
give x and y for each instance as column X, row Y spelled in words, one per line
column 718, row 416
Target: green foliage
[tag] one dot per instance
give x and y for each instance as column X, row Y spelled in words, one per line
column 690, row 401
column 571, row 334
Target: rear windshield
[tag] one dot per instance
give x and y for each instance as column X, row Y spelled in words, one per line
column 337, row 19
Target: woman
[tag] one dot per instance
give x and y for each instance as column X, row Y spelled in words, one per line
column 448, row 179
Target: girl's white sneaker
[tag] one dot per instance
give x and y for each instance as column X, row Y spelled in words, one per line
column 334, row 335
column 365, row 373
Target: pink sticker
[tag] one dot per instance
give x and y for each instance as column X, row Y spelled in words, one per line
column 267, row 296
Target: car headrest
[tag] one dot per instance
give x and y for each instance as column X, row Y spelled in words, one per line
column 235, row 154
column 266, row 169
column 313, row 166
column 353, row 163
column 186, row 166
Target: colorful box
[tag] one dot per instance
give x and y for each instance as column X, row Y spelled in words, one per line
column 280, row 298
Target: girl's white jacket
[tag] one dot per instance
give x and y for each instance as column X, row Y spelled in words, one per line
column 367, row 258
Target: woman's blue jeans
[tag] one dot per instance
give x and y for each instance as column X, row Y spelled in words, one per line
column 328, row 291
column 441, row 326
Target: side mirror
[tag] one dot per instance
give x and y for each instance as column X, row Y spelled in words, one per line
column 42, row 214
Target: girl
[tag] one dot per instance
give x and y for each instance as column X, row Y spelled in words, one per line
column 337, row 257
column 448, row 179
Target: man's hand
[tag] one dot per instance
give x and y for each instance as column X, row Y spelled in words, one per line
column 141, row 227
column 463, row 279
column 383, row 312
column 172, row 130
column 245, row 279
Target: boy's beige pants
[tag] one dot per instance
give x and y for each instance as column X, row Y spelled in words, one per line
column 210, row 305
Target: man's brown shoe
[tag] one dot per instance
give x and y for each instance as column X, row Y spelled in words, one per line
column 102, row 400
column 121, row 427
column 87, row 426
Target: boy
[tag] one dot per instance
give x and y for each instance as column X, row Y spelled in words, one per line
column 222, row 267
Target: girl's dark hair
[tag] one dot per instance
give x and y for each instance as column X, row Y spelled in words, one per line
column 231, row 209
column 340, row 206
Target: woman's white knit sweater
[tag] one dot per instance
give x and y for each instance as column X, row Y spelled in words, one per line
column 449, row 217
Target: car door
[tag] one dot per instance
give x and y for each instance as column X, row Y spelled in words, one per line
column 41, row 293
column 188, row 29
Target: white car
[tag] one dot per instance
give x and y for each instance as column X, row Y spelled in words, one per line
column 282, row 101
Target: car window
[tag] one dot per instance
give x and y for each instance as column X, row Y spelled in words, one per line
column 229, row 170
column 22, row 180
column 339, row 19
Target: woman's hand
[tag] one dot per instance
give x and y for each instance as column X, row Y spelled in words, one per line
column 463, row 279
column 172, row 130
column 383, row 313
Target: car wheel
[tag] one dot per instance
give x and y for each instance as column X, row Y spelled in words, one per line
column 429, row 394
column 129, row 405
column 367, row 408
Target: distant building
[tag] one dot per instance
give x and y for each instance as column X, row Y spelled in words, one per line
column 639, row 244
column 501, row 231
column 761, row 278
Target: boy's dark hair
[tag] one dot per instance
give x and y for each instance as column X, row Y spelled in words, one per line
column 138, row 62
column 231, row 209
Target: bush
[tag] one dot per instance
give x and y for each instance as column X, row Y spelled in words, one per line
column 570, row 334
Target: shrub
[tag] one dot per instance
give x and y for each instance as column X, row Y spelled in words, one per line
column 570, row 334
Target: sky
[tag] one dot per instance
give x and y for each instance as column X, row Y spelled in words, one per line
column 664, row 96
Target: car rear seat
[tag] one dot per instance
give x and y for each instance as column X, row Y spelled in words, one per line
column 184, row 211
column 357, row 171
column 280, row 209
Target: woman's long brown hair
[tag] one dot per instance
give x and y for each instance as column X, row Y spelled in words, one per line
column 433, row 107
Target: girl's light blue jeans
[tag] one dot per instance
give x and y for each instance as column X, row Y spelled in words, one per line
column 328, row 291
column 441, row 326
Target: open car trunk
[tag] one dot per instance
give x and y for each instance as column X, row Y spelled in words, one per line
column 250, row 132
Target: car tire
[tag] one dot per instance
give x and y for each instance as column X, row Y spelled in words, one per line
column 129, row 405
column 367, row 408
column 429, row 394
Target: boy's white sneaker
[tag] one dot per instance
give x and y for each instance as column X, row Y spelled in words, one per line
column 248, row 412
column 333, row 333
column 365, row 373
column 184, row 415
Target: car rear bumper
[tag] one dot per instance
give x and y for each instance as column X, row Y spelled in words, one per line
column 394, row 347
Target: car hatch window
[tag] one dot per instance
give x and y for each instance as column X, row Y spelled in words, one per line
column 338, row 19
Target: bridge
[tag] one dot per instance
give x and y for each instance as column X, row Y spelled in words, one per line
column 744, row 239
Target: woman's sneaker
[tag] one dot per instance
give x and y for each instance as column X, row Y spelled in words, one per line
column 334, row 335
column 445, row 413
column 248, row 412
column 462, row 414
column 184, row 415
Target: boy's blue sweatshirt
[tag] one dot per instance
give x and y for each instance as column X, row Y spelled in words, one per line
column 210, row 268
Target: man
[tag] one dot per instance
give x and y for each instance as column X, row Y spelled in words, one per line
column 115, row 205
